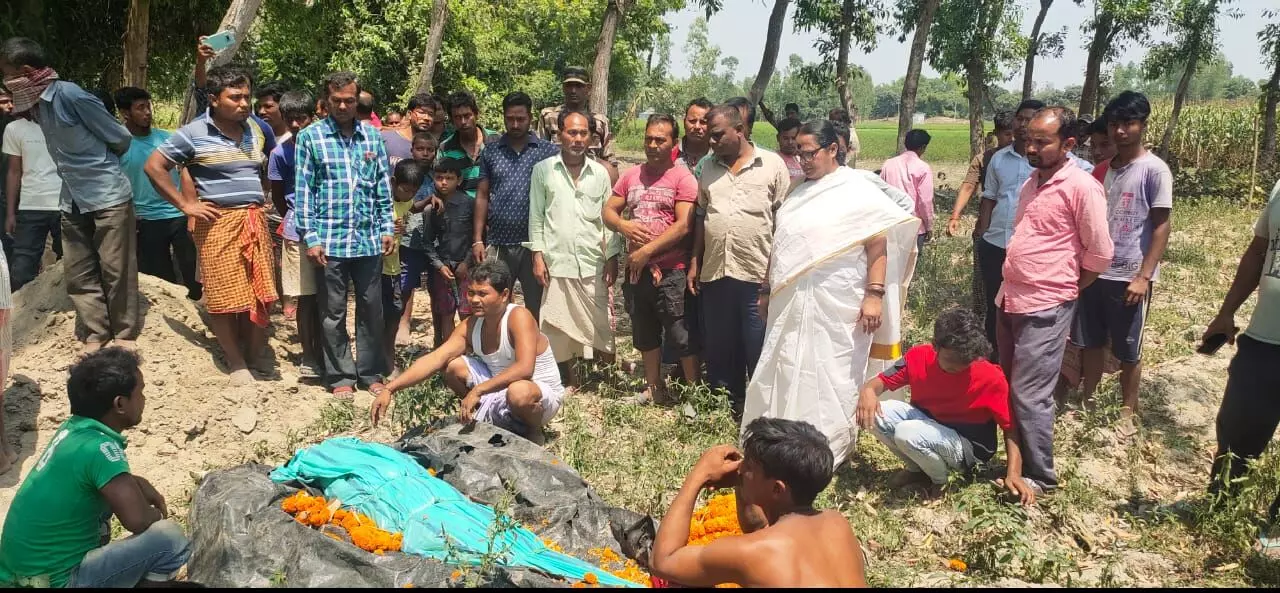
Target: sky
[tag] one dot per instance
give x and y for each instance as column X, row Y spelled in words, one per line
column 739, row 30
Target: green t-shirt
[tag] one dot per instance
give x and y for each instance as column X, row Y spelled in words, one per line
column 56, row 516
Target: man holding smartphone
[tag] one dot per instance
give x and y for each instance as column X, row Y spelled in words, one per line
column 1250, row 409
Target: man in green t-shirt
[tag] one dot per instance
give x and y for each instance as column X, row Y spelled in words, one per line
column 57, row 530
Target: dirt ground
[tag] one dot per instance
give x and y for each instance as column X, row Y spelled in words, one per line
column 194, row 420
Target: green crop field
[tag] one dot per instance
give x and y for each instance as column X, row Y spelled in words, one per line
column 950, row 141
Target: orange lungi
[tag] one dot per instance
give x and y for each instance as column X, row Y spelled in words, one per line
column 236, row 263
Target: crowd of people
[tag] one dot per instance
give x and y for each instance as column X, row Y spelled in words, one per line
column 782, row 276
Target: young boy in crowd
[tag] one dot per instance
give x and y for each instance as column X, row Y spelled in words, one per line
column 957, row 400
column 1139, row 190
column 413, row 245
column 448, row 247
column 406, row 178
column 497, row 361
column 57, row 531
column 297, row 272
column 783, row 466
column 32, row 193
column 1101, row 148
column 162, row 227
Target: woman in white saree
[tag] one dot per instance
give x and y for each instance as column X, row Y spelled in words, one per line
column 843, row 253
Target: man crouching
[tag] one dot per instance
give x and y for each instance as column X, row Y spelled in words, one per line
column 497, row 360
column 786, row 542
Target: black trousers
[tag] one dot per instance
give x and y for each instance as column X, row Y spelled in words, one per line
column 164, row 243
column 991, row 263
column 1250, row 410
column 364, row 275
column 33, row 228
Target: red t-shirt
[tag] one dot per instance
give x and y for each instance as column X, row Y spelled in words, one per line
column 651, row 200
column 972, row 402
column 1100, row 171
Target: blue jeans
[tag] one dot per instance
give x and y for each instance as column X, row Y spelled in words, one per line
column 733, row 335
column 153, row 555
column 922, row 443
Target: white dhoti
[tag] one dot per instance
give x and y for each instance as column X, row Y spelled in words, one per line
column 815, row 357
column 575, row 317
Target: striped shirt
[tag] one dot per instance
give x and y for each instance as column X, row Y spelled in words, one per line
column 451, row 149
column 227, row 173
column 342, row 190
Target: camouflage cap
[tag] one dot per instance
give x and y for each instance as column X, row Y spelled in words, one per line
column 575, row 74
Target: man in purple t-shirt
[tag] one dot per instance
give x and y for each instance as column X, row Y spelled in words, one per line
column 1139, row 189
column 658, row 200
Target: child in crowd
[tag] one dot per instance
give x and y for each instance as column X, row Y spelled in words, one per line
column 297, row 272
column 448, row 248
column 413, row 247
column 1101, row 148
column 406, row 178
column 957, row 400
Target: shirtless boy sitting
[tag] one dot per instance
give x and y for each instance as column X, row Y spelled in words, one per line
column 787, row 543
column 498, row 361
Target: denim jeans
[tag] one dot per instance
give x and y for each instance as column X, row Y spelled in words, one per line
column 364, row 276
column 153, row 555
column 33, row 228
column 922, row 443
column 733, row 334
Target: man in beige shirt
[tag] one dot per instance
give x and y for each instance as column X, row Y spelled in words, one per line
column 740, row 188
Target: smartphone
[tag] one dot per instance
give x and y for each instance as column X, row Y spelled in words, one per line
column 221, row 40
column 1212, row 344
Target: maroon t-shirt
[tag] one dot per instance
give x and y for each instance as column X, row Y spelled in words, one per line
column 651, row 201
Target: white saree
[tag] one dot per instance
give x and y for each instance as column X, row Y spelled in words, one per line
column 815, row 358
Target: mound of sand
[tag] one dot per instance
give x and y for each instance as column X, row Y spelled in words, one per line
column 194, row 421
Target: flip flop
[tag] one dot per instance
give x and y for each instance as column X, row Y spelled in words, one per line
column 345, row 392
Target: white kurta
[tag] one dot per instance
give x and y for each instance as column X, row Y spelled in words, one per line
column 815, row 358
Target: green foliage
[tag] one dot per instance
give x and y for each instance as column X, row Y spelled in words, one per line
column 1193, row 27
column 1123, row 21
column 983, row 32
column 83, row 38
column 1214, row 79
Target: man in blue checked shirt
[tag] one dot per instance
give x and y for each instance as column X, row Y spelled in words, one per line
column 344, row 216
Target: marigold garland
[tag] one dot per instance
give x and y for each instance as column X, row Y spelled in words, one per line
column 313, row 511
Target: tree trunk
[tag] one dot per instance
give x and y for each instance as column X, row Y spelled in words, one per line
column 599, row 100
column 842, row 56
column 136, row 38
column 435, row 39
column 1178, row 97
column 770, row 58
column 907, row 104
column 1093, row 64
column 239, row 18
column 1268, row 156
column 974, row 71
column 1033, row 49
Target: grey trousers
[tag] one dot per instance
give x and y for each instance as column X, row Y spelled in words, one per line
column 364, row 276
column 1031, row 348
column 101, row 267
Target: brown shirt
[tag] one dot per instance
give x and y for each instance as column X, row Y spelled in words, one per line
column 601, row 146
column 740, row 209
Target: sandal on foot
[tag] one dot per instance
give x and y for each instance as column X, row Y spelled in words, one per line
column 345, row 392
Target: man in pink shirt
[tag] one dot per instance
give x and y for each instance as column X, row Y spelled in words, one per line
column 909, row 173
column 1060, row 244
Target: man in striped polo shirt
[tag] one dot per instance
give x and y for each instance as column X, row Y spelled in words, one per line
column 468, row 140
column 223, row 151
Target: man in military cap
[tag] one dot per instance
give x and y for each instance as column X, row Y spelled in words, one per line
column 577, row 89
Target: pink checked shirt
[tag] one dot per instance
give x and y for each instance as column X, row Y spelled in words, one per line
column 909, row 173
column 1060, row 227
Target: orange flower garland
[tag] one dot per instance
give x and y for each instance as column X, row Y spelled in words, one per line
column 313, row 511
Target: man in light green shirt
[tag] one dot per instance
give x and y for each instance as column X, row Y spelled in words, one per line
column 57, row 529
column 574, row 256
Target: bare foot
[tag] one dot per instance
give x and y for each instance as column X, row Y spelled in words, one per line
column 129, row 345
column 402, row 336
column 88, row 348
column 536, row 436
column 7, row 458
column 904, row 477
column 240, row 377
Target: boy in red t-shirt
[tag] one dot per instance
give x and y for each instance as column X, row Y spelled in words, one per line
column 958, row 398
